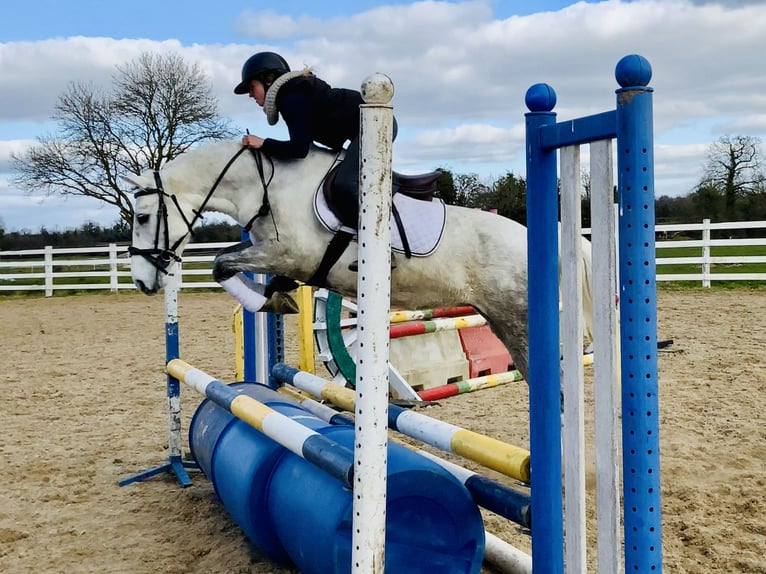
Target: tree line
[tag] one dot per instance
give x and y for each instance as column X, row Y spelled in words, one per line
column 159, row 106
column 731, row 188
column 91, row 234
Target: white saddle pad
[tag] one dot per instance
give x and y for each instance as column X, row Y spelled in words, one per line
column 423, row 222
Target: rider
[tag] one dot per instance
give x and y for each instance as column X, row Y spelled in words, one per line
column 313, row 112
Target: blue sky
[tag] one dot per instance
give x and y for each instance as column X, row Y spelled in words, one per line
column 460, row 70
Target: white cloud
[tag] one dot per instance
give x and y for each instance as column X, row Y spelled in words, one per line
column 461, row 74
column 11, row 147
column 470, row 143
column 23, row 211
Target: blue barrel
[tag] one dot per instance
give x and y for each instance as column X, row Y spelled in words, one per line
column 295, row 512
column 239, row 461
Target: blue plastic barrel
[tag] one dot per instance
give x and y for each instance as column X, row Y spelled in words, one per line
column 295, row 512
column 239, row 461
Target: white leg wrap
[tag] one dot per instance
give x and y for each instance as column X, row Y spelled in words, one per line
column 246, row 291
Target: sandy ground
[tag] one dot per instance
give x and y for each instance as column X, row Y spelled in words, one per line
column 83, row 406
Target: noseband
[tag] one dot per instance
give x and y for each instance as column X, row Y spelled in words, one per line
column 162, row 257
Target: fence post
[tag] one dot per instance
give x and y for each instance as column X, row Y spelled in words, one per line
column 374, row 296
column 113, row 280
column 706, row 253
column 48, row 268
column 642, row 520
column 543, row 325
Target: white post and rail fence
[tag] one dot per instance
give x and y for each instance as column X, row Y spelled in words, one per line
column 693, row 255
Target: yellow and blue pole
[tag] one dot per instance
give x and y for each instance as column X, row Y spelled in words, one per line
column 507, row 459
column 333, row 458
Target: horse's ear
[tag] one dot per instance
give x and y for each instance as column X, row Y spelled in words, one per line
column 136, row 180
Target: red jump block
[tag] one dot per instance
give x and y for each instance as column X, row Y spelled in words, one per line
column 485, row 353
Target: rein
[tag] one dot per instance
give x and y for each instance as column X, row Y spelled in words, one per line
column 162, row 257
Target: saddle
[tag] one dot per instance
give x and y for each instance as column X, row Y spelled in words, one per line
column 417, row 219
column 420, row 186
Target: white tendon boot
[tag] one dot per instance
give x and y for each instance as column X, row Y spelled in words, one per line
column 246, row 291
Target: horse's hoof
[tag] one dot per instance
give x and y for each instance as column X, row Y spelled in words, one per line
column 280, row 304
column 278, row 284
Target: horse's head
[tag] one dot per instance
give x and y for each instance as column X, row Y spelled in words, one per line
column 161, row 229
column 213, row 178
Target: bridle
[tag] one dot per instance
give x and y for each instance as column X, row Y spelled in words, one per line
column 162, row 256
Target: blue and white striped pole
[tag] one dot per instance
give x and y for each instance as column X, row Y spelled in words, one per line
column 175, row 463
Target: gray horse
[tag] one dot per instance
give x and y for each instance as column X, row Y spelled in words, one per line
column 480, row 261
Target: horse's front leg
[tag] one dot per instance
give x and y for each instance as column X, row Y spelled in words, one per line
column 229, row 270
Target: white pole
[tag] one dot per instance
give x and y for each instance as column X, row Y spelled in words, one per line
column 48, row 266
column 606, row 358
column 373, row 302
column 172, row 287
column 706, row 253
column 114, row 281
column 572, row 380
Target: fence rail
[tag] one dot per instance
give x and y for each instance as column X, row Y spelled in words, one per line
column 706, row 261
column 689, row 247
column 104, row 267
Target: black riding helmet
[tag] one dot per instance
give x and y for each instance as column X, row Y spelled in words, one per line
column 259, row 64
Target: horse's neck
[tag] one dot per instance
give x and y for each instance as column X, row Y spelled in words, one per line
column 240, row 193
column 290, row 186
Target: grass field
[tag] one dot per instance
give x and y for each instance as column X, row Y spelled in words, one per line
column 715, row 268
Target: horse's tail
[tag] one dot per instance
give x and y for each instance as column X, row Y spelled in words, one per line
column 586, row 268
column 587, row 289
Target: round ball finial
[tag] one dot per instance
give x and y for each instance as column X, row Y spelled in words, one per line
column 633, row 70
column 540, row 98
column 377, row 89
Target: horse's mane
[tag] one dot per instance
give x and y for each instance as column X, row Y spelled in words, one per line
column 196, row 170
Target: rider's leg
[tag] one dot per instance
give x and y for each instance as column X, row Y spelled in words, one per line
column 346, row 188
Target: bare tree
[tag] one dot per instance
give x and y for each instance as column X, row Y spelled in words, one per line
column 733, row 169
column 157, row 108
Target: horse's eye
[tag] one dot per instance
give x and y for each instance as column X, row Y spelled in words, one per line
column 142, row 218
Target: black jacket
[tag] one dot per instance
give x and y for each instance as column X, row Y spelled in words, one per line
column 314, row 112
